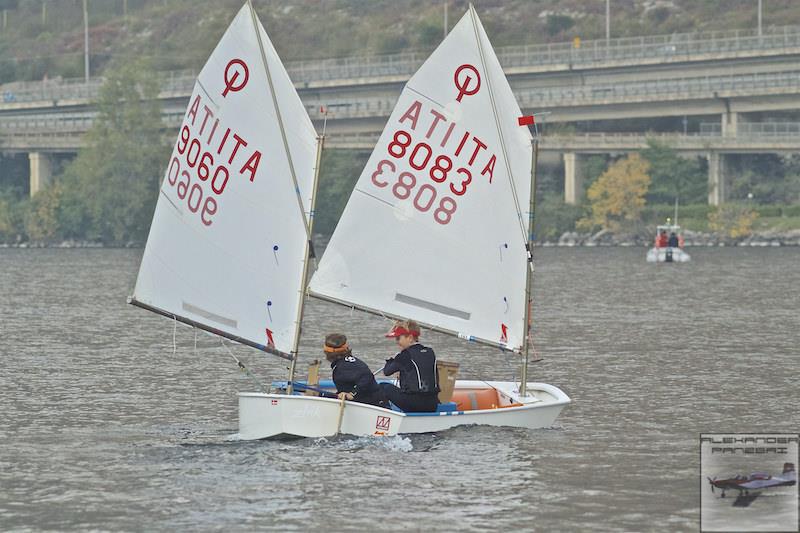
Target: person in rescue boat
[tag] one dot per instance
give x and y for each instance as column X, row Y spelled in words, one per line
column 352, row 377
column 673, row 240
column 662, row 240
column 419, row 383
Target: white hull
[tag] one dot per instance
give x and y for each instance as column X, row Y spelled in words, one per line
column 268, row 415
column 659, row 255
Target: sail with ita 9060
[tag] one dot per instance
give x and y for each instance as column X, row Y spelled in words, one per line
column 230, row 233
column 437, row 226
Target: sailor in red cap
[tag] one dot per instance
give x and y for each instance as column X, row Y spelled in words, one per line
column 419, row 383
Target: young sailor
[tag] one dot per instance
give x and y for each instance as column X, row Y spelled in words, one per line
column 351, row 375
column 419, row 383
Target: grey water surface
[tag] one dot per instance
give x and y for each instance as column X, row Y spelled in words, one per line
column 104, row 426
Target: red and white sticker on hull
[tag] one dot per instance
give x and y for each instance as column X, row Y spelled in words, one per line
column 228, row 238
column 445, row 240
column 382, row 423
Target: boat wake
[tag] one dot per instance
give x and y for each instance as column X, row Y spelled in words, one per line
column 396, row 443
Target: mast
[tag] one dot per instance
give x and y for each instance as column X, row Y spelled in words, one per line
column 310, row 256
column 676, row 210
column 529, row 272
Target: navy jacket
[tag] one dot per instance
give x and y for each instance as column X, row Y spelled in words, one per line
column 351, row 374
column 417, row 367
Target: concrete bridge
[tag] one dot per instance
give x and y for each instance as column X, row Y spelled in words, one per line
column 730, row 80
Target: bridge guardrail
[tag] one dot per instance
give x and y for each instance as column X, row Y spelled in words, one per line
column 683, row 46
column 667, row 47
column 543, row 98
column 548, row 97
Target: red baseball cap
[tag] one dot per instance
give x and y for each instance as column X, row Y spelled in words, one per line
column 398, row 331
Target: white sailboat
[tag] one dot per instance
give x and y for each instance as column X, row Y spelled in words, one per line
column 450, row 181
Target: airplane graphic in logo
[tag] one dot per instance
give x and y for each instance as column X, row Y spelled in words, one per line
column 756, row 482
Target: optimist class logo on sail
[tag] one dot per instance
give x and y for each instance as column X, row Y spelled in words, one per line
column 434, row 147
column 207, row 152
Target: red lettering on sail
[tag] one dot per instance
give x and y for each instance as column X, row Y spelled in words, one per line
column 205, row 161
column 412, row 113
column 463, row 78
column 430, row 145
column 252, row 165
column 193, row 109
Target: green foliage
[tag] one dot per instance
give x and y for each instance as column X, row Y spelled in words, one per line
column 674, row 176
column 732, row 220
column 791, row 211
column 12, row 217
column 594, row 166
column 41, row 217
column 111, row 188
column 768, row 210
column 553, row 217
column 430, row 33
column 558, row 23
column 340, row 171
column 658, row 214
column 769, row 178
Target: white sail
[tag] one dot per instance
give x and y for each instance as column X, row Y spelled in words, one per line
column 228, row 239
column 436, row 228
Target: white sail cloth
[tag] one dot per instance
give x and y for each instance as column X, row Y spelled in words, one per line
column 228, row 239
column 436, row 228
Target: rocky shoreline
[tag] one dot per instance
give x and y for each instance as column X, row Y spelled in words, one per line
column 568, row 239
column 691, row 238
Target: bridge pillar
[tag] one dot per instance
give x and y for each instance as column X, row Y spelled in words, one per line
column 573, row 178
column 41, row 171
column 730, row 121
column 716, row 178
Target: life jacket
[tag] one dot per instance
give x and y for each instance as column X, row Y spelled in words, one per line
column 351, row 374
column 417, row 366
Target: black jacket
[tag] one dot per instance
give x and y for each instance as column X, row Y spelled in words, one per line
column 351, row 374
column 417, row 366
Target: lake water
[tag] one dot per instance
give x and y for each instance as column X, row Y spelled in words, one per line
column 103, row 425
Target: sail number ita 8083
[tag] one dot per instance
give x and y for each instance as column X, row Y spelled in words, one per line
column 438, row 168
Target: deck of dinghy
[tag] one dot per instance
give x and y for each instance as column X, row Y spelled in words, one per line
column 463, row 400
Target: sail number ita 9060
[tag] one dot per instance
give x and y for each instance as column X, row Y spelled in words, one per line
column 205, row 155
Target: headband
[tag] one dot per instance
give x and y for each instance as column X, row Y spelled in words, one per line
column 341, row 349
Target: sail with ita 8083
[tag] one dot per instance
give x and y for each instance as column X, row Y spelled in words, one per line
column 434, row 229
column 229, row 243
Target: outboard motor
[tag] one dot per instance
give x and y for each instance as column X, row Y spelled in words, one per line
column 668, row 258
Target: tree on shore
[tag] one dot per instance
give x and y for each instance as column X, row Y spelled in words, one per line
column 110, row 189
column 617, row 197
column 673, row 176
